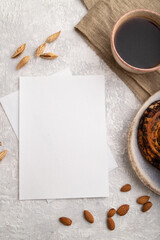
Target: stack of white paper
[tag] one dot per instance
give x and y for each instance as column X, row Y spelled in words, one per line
column 10, row 104
column 63, row 150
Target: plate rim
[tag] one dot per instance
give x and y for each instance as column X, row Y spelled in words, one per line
column 136, row 169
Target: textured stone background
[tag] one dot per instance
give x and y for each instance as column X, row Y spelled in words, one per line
column 31, row 22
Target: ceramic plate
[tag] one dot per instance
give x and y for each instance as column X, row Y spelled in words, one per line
column 148, row 174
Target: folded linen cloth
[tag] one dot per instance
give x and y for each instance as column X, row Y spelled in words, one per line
column 96, row 27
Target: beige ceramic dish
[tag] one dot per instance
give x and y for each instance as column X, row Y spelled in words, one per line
column 155, row 17
column 148, row 174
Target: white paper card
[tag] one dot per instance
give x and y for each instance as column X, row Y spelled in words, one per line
column 62, row 138
column 10, row 104
column 111, row 164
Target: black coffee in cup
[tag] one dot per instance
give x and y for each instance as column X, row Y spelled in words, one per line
column 137, row 42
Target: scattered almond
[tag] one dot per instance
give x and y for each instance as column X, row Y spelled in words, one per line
column 143, row 199
column 146, row 206
column 0, row 143
column 23, row 62
column 122, row 210
column 2, row 155
column 40, row 50
column 48, row 55
column 53, row 37
column 88, row 216
column 19, row 51
column 111, row 212
column 110, row 223
column 66, row 221
column 126, row 188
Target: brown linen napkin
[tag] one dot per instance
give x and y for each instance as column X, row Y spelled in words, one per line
column 90, row 3
column 96, row 28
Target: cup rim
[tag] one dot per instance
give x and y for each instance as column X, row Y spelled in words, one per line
column 143, row 70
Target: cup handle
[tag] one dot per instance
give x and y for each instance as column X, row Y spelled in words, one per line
column 158, row 70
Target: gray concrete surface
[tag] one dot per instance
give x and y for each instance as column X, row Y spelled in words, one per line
column 31, row 22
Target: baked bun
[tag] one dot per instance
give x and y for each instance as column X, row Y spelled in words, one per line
column 149, row 134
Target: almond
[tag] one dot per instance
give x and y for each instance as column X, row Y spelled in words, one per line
column 66, row 221
column 3, row 154
column 0, row 143
column 19, row 51
column 23, row 62
column 88, row 216
column 126, row 188
column 146, row 206
column 111, row 212
column 48, row 55
column 40, row 50
column 110, row 223
column 122, row 210
column 53, row 37
column 143, row 199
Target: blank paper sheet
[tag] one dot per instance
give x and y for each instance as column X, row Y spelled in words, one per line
column 62, row 147
column 10, row 104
